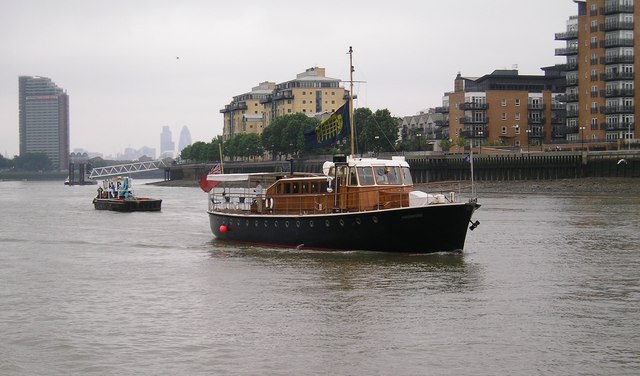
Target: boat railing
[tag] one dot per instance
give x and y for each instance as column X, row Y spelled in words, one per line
column 245, row 200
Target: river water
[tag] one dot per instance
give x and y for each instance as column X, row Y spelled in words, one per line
column 547, row 285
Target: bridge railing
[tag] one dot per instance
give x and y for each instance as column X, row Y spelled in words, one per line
column 125, row 169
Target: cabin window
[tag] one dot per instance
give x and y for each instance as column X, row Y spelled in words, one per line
column 366, row 175
column 278, row 189
column 407, row 176
column 305, row 187
column 380, row 176
column 295, row 188
column 393, row 174
column 353, row 180
column 314, row 187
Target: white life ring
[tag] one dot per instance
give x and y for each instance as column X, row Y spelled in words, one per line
column 269, row 203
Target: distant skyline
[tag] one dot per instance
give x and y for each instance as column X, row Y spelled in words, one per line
column 132, row 67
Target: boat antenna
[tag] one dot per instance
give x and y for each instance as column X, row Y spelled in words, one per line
column 351, row 70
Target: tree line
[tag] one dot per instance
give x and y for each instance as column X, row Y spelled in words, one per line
column 27, row 162
column 284, row 137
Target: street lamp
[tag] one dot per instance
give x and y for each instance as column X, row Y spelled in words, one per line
column 418, row 136
column 481, row 134
column 528, row 140
column 582, row 138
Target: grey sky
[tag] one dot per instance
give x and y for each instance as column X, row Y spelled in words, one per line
column 118, row 59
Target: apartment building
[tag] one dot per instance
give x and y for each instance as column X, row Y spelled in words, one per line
column 311, row 93
column 505, row 108
column 600, row 52
column 245, row 113
column 43, row 109
column 425, row 125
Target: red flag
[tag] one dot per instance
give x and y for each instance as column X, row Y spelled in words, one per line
column 208, row 185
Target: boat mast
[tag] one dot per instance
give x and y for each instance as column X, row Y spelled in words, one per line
column 352, row 135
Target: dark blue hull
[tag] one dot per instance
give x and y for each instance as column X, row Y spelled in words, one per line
column 428, row 229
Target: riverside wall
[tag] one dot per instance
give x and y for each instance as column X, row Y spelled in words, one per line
column 448, row 167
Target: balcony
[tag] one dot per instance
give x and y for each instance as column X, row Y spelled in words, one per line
column 234, row 107
column 572, row 81
column 470, row 106
column 567, row 51
column 535, row 120
column 617, row 59
column 617, row 109
column 572, row 113
column 617, row 25
column 442, row 110
column 441, row 123
column 613, row 76
column 536, row 106
column 616, row 42
column 558, row 120
column 282, row 95
column 470, row 120
column 619, row 126
column 613, row 93
column 560, row 131
column 567, row 35
column 617, row 8
column 572, row 97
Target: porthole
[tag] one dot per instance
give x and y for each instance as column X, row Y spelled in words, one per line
column 358, row 221
column 298, row 224
column 374, row 219
column 275, row 223
column 341, row 222
column 266, row 223
column 247, row 223
column 286, row 224
column 327, row 223
column 256, row 223
column 310, row 223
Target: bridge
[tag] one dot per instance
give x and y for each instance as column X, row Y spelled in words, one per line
column 125, row 169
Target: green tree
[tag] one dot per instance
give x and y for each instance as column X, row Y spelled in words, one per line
column 33, row 162
column 5, row 163
column 285, row 135
column 375, row 131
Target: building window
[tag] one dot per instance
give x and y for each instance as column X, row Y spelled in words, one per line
column 517, row 116
column 517, row 102
column 304, row 101
column 503, row 103
column 503, row 130
column 504, row 116
column 517, row 127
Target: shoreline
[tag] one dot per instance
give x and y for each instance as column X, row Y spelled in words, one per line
column 627, row 186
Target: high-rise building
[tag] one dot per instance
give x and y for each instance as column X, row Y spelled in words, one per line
column 44, row 119
column 600, row 52
column 167, row 146
column 185, row 138
column 311, row 93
